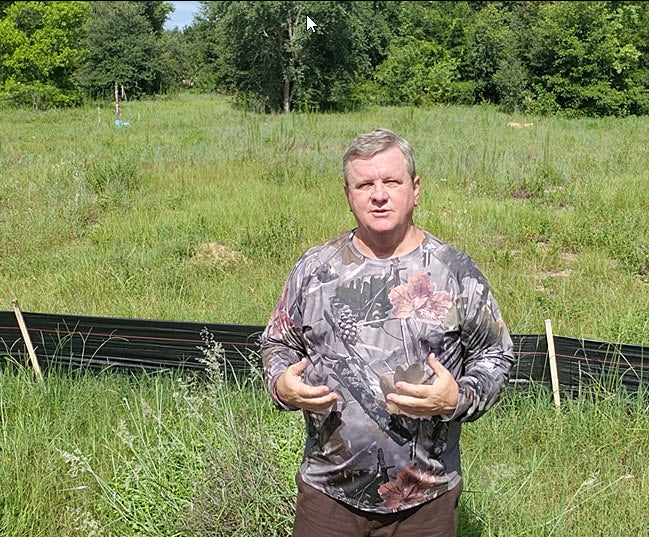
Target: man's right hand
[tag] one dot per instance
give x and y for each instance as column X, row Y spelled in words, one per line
column 292, row 390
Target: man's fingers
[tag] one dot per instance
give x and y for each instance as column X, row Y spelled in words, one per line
column 436, row 365
column 327, row 399
column 412, row 405
column 311, row 392
column 316, row 404
column 426, row 399
column 419, row 391
column 298, row 369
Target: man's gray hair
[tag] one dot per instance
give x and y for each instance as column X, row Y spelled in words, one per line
column 368, row 144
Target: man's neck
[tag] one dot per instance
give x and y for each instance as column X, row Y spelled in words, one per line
column 386, row 247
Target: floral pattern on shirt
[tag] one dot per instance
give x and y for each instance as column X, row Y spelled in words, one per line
column 420, row 299
column 410, row 486
column 366, row 324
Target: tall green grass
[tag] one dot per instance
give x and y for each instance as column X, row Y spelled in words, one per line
column 101, row 220
column 171, row 455
column 197, row 212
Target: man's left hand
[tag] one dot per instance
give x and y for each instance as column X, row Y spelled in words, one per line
column 420, row 400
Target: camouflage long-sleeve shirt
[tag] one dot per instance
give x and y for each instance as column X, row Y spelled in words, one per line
column 365, row 324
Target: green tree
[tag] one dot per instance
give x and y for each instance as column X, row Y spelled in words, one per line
column 443, row 23
column 178, row 60
column 512, row 76
column 418, row 72
column 40, row 49
column 156, row 13
column 490, row 48
column 585, row 59
column 263, row 51
column 124, row 47
column 426, row 60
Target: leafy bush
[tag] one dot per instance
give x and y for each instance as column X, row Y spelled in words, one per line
column 39, row 50
column 585, row 61
column 37, row 95
column 418, row 72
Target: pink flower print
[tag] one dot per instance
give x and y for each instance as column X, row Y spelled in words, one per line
column 419, row 299
column 410, row 487
column 280, row 321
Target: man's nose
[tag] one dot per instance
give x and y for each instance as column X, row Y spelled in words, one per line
column 378, row 192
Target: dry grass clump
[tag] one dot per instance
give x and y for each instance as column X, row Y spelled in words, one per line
column 216, row 253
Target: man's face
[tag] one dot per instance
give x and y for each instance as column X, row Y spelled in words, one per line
column 381, row 193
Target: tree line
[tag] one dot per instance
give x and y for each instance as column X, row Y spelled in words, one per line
column 543, row 57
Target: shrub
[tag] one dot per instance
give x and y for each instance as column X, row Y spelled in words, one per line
column 37, row 95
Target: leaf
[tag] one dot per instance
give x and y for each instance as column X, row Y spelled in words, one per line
column 367, row 298
column 453, row 317
column 415, row 374
column 350, row 257
column 410, row 486
column 387, row 386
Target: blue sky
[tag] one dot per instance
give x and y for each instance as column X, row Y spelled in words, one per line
column 182, row 15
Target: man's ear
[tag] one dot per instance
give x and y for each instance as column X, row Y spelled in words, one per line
column 415, row 186
column 346, row 189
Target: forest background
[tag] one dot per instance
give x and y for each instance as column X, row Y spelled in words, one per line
column 559, row 58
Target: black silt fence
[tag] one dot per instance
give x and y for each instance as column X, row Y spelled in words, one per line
column 581, row 363
column 144, row 344
column 121, row 343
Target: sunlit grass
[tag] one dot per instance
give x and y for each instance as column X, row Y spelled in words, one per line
column 99, row 220
column 172, row 455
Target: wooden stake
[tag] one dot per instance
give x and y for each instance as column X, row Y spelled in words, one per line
column 99, row 114
column 553, row 363
column 119, row 116
column 28, row 341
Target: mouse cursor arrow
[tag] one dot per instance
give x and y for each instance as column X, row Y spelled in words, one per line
column 310, row 25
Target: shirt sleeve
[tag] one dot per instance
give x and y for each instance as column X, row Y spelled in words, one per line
column 488, row 350
column 282, row 343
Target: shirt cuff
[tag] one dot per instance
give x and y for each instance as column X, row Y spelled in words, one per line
column 465, row 398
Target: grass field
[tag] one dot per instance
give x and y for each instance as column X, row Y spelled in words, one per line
column 165, row 456
column 197, row 211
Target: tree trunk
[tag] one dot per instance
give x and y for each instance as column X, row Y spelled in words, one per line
column 287, row 94
column 292, row 27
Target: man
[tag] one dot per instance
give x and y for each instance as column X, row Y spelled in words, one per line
column 387, row 339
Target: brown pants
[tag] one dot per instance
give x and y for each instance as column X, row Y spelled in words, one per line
column 316, row 514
